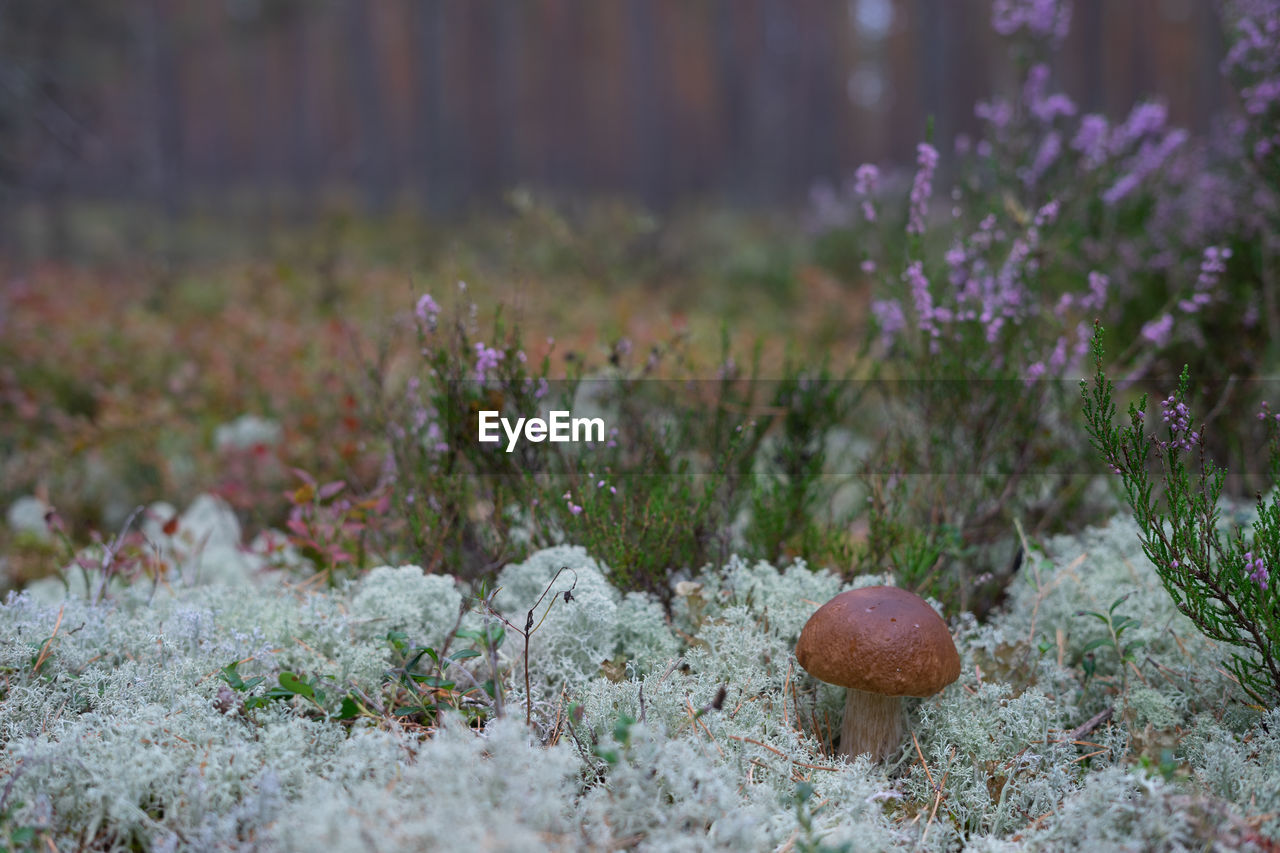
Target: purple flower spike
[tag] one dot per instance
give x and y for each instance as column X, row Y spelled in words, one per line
column 922, row 187
column 426, row 310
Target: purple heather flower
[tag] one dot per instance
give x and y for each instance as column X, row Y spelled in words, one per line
column 922, row 187
column 1043, row 106
column 921, row 298
column 1177, row 416
column 1091, row 140
column 1048, row 213
column 1145, row 119
column 1098, row 285
column 957, row 258
column 1148, row 159
column 1194, row 304
column 1058, row 358
column 1065, row 301
column 1084, row 334
column 1212, row 266
column 426, row 310
column 1158, row 331
column 1040, row 19
column 888, row 314
column 420, row 419
column 998, row 112
column 1046, row 155
column 1259, row 99
column 1257, row 569
column 487, row 359
column 865, row 181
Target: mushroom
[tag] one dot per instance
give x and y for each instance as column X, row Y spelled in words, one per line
column 883, row 643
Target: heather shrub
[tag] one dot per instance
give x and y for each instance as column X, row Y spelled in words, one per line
column 1217, row 574
column 1056, row 219
column 667, row 488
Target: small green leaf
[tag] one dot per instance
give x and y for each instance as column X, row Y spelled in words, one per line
column 622, row 729
column 294, row 684
column 231, row 677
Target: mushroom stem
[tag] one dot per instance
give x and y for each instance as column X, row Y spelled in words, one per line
column 872, row 723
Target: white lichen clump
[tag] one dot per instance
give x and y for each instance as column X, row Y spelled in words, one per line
column 405, row 599
column 247, row 432
column 697, row 731
column 26, row 517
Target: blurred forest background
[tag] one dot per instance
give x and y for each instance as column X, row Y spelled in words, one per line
column 288, row 107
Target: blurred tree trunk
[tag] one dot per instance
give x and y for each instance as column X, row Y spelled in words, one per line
column 932, row 29
column 1089, row 20
column 1209, row 90
column 302, row 166
column 506, row 93
column 644, row 68
column 730, row 84
column 564, row 96
column 375, row 164
column 824, row 93
column 61, row 144
column 163, row 107
column 771, row 130
column 431, row 148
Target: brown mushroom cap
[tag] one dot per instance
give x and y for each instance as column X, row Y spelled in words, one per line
column 879, row 639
